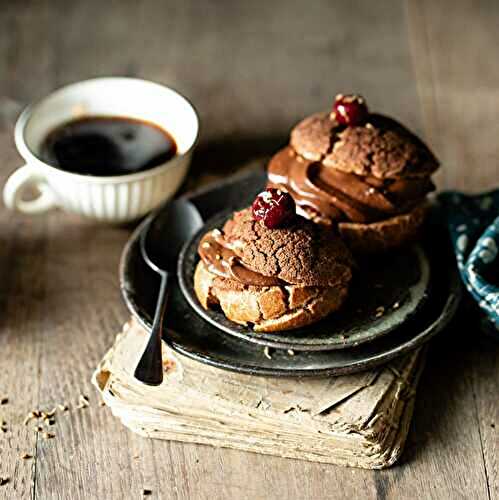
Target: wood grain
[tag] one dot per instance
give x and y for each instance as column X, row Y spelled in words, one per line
column 22, row 252
column 460, row 100
column 253, row 69
column 451, row 45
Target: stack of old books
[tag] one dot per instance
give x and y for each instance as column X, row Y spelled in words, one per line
column 358, row 420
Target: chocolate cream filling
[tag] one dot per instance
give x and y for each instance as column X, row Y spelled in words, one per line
column 219, row 258
column 338, row 196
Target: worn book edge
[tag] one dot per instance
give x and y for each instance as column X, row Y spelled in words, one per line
column 359, row 420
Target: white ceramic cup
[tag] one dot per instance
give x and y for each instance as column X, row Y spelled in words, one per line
column 114, row 199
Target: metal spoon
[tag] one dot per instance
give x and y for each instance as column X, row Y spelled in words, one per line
column 160, row 243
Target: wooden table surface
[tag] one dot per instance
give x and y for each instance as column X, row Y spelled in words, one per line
column 252, row 69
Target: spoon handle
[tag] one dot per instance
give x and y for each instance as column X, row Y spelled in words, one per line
column 149, row 370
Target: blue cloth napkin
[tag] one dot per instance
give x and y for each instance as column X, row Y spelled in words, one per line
column 473, row 222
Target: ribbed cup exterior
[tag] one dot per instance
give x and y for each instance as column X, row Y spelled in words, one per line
column 120, row 199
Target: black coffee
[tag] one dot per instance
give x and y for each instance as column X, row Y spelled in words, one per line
column 107, row 145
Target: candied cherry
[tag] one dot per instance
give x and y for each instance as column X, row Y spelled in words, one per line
column 350, row 110
column 274, row 208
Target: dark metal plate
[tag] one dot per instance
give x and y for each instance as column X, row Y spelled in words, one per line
column 396, row 283
column 191, row 335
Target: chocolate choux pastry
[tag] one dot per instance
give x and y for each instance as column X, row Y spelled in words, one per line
column 362, row 172
column 270, row 275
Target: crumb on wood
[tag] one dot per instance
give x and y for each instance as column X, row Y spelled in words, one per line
column 31, row 415
column 4, row 400
column 26, row 456
column 4, row 481
column 82, row 402
column 48, row 414
column 146, row 492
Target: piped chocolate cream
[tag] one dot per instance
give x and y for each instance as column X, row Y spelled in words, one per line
column 363, row 173
column 333, row 195
column 220, row 259
column 300, row 253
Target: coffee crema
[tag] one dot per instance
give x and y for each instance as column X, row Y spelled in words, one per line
column 107, row 146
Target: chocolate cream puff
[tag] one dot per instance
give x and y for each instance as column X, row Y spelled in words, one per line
column 362, row 172
column 271, row 268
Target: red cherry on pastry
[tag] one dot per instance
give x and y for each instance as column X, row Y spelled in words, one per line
column 274, row 208
column 350, row 110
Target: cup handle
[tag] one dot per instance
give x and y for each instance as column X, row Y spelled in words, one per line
column 23, row 178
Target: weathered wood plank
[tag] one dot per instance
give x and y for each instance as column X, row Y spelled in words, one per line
column 253, row 69
column 458, row 88
column 452, row 45
column 485, row 377
column 22, row 254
